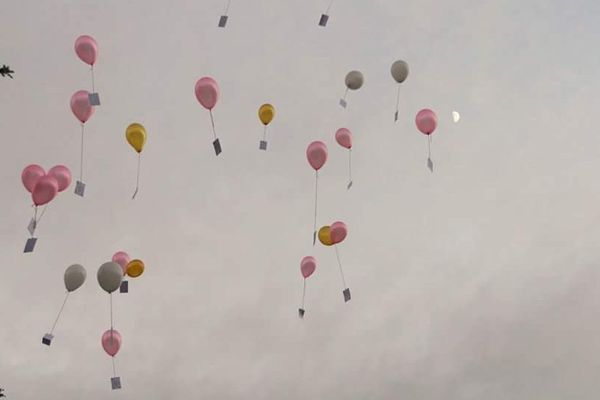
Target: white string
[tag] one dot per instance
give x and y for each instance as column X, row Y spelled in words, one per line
column 329, row 7
column 59, row 313
column 337, row 253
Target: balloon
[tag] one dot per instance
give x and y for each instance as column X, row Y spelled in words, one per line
column 316, row 153
column 111, row 342
column 339, row 231
column 308, row 266
column 45, row 190
column 455, row 116
column 135, row 268
column 62, row 176
column 30, row 176
column 207, row 92
column 325, row 236
column 399, row 71
column 354, row 80
column 121, row 258
column 344, row 138
column 81, row 107
column 136, row 136
column 110, row 275
column 426, row 121
column 74, row 277
column 86, row 49
column 266, row 113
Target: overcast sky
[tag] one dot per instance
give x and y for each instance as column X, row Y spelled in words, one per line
column 479, row 281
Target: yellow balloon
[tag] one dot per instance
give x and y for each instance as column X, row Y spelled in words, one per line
column 266, row 113
column 135, row 268
column 325, row 236
column 136, row 136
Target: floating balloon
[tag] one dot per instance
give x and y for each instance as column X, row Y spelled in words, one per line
column 62, row 176
column 30, row 176
column 455, row 116
column 316, row 153
column 426, row 121
column 136, row 136
column 399, row 72
column 339, row 231
column 110, row 275
column 354, row 81
column 207, row 93
column 74, row 277
column 81, row 107
column 344, row 138
column 121, row 258
column 266, row 113
column 86, row 49
column 325, row 236
column 111, row 342
column 45, row 190
column 307, row 268
column 135, row 268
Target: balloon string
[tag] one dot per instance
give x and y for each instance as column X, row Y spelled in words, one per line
column 345, row 93
column 429, row 145
column 227, row 7
column 329, row 7
column 303, row 293
column 212, row 121
column 316, row 198
column 398, row 100
column 265, row 133
column 111, row 317
column 41, row 214
column 59, row 313
column 350, row 164
column 337, row 253
column 81, row 156
column 114, row 369
column 34, row 219
column 93, row 90
column 137, row 184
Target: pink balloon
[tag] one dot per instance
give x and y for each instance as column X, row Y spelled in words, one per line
column 308, row 266
column 338, row 232
column 316, row 153
column 62, row 176
column 86, row 49
column 81, row 107
column 426, row 121
column 30, row 176
column 121, row 258
column 344, row 138
column 45, row 190
column 111, row 342
column 207, row 92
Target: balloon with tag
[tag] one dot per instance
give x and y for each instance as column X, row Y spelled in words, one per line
column 307, row 268
column 332, row 236
column 86, row 49
column 343, row 137
column 316, row 154
column 354, row 81
column 426, row 121
column 111, row 343
column 266, row 113
column 207, row 93
column 83, row 111
column 110, row 275
column 399, row 72
column 136, row 137
column 74, row 277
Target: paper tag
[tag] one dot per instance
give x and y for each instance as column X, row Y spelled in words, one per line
column 124, row 288
column 31, row 227
column 30, row 245
column 314, row 237
column 430, row 164
column 115, row 382
column 79, row 188
column 396, row 116
column 262, row 145
column 346, row 295
column 323, row 20
column 94, row 99
column 301, row 312
column 349, row 185
column 223, row 21
column 47, row 339
column 217, row 146
column 343, row 103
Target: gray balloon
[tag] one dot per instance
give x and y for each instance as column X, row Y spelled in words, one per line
column 400, row 71
column 110, row 275
column 74, row 277
column 354, row 80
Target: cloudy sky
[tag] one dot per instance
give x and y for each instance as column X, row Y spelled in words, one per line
column 480, row 280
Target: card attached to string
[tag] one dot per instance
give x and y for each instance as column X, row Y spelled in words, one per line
column 115, row 383
column 396, row 117
column 124, row 288
column 430, row 164
column 343, row 103
column 47, row 339
column 301, row 312
column 349, row 185
column 79, row 188
column 217, row 146
column 30, row 245
column 323, row 20
column 347, row 296
column 31, row 227
column 223, row 21
column 94, row 99
column 263, row 145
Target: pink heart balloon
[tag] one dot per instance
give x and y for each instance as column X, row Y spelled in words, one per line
column 111, row 342
column 344, row 138
column 86, row 49
column 207, row 92
column 426, row 121
column 316, row 153
column 121, row 258
column 45, row 190
column 62, row 176
column 30, row 176
column 81, row 107
column 338, row 232
column 308, row 266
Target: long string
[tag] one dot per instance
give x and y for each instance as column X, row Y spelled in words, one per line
column 337, row 253
column 137, row 184
column 93, row 89
column 316, row 198
column 114, row 369
column 111, row 317
column 212, row 121
column 350, row 164
column 429, row 145
column 227, row 7
column 81, row 156
column 41, row 214
column 398, row 101
column 265, row 134
column 345, row 94
column 329, row 7
column 303, row 293
column 59, row 313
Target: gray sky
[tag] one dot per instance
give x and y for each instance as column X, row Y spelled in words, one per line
column 479, row 281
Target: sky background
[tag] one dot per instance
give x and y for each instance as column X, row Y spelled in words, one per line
column 480, row 280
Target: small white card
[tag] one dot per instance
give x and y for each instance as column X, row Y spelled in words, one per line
column 396, row 117
column 430, row 164
column 223, row 21
column 94, row 99
column 79, row 188
column 217, row 146
column 124, row 288
column 115, row 382
column 347, row 296
column 262, row 145
column 323, row 20
column 301, row 312
column 343, row 103
column 349, row 185
column 30, row 245
column 47, row 339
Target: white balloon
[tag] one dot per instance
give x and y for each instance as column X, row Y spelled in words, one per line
column 399, row 71
column 354, row 80
column 110, row 275
column 455, row 116
column 74, row 277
